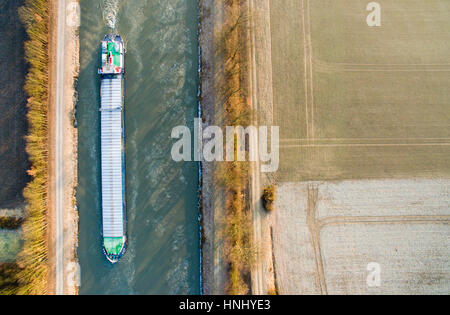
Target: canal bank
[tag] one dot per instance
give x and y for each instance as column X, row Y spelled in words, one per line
column 213, row 268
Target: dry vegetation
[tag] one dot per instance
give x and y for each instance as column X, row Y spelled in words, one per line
column 10, row 223
column 273, row 291
column 231, row 56
column 33, row 270
column 8, row 279
column 269, row 196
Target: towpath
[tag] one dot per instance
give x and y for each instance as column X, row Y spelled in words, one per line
column 59, row 149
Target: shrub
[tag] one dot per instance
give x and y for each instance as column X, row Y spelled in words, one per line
column 269, row 196
column 272, row 291
column 8, row 278
column 10, row 223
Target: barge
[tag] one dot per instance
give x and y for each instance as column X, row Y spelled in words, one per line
column 112, row 133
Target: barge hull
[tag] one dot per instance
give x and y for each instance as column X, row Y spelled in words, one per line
column 112, row 151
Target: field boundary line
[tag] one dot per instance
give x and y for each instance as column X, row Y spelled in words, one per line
column 361, row 139
column 324, row 66
column 387, row 64
column 385, row 70
column 311, row 73
column 364, row 145
column 314, row 229
column 329, row 221
column 305, row 58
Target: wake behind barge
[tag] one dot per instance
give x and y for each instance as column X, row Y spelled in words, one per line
column 112, row 74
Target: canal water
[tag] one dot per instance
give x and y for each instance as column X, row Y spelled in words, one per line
column 163, row 255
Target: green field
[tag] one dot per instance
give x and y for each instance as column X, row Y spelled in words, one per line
column 360, row 102
column 10, row 245
column 412, row 32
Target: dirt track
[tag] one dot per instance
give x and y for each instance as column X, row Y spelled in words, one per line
column 262, row 106
column 63, row 219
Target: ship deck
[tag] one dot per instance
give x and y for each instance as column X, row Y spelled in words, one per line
column 112, row 157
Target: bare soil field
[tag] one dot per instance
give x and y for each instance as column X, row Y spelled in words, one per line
column 13, row 123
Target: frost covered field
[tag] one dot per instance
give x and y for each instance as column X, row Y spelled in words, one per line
column 327, row 235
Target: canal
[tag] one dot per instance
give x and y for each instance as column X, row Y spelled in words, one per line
column 163, row 255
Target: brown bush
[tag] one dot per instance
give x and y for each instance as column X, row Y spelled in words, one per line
column 10, row 223
column 9, row 283
column 269, row 197
column 272, row 291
